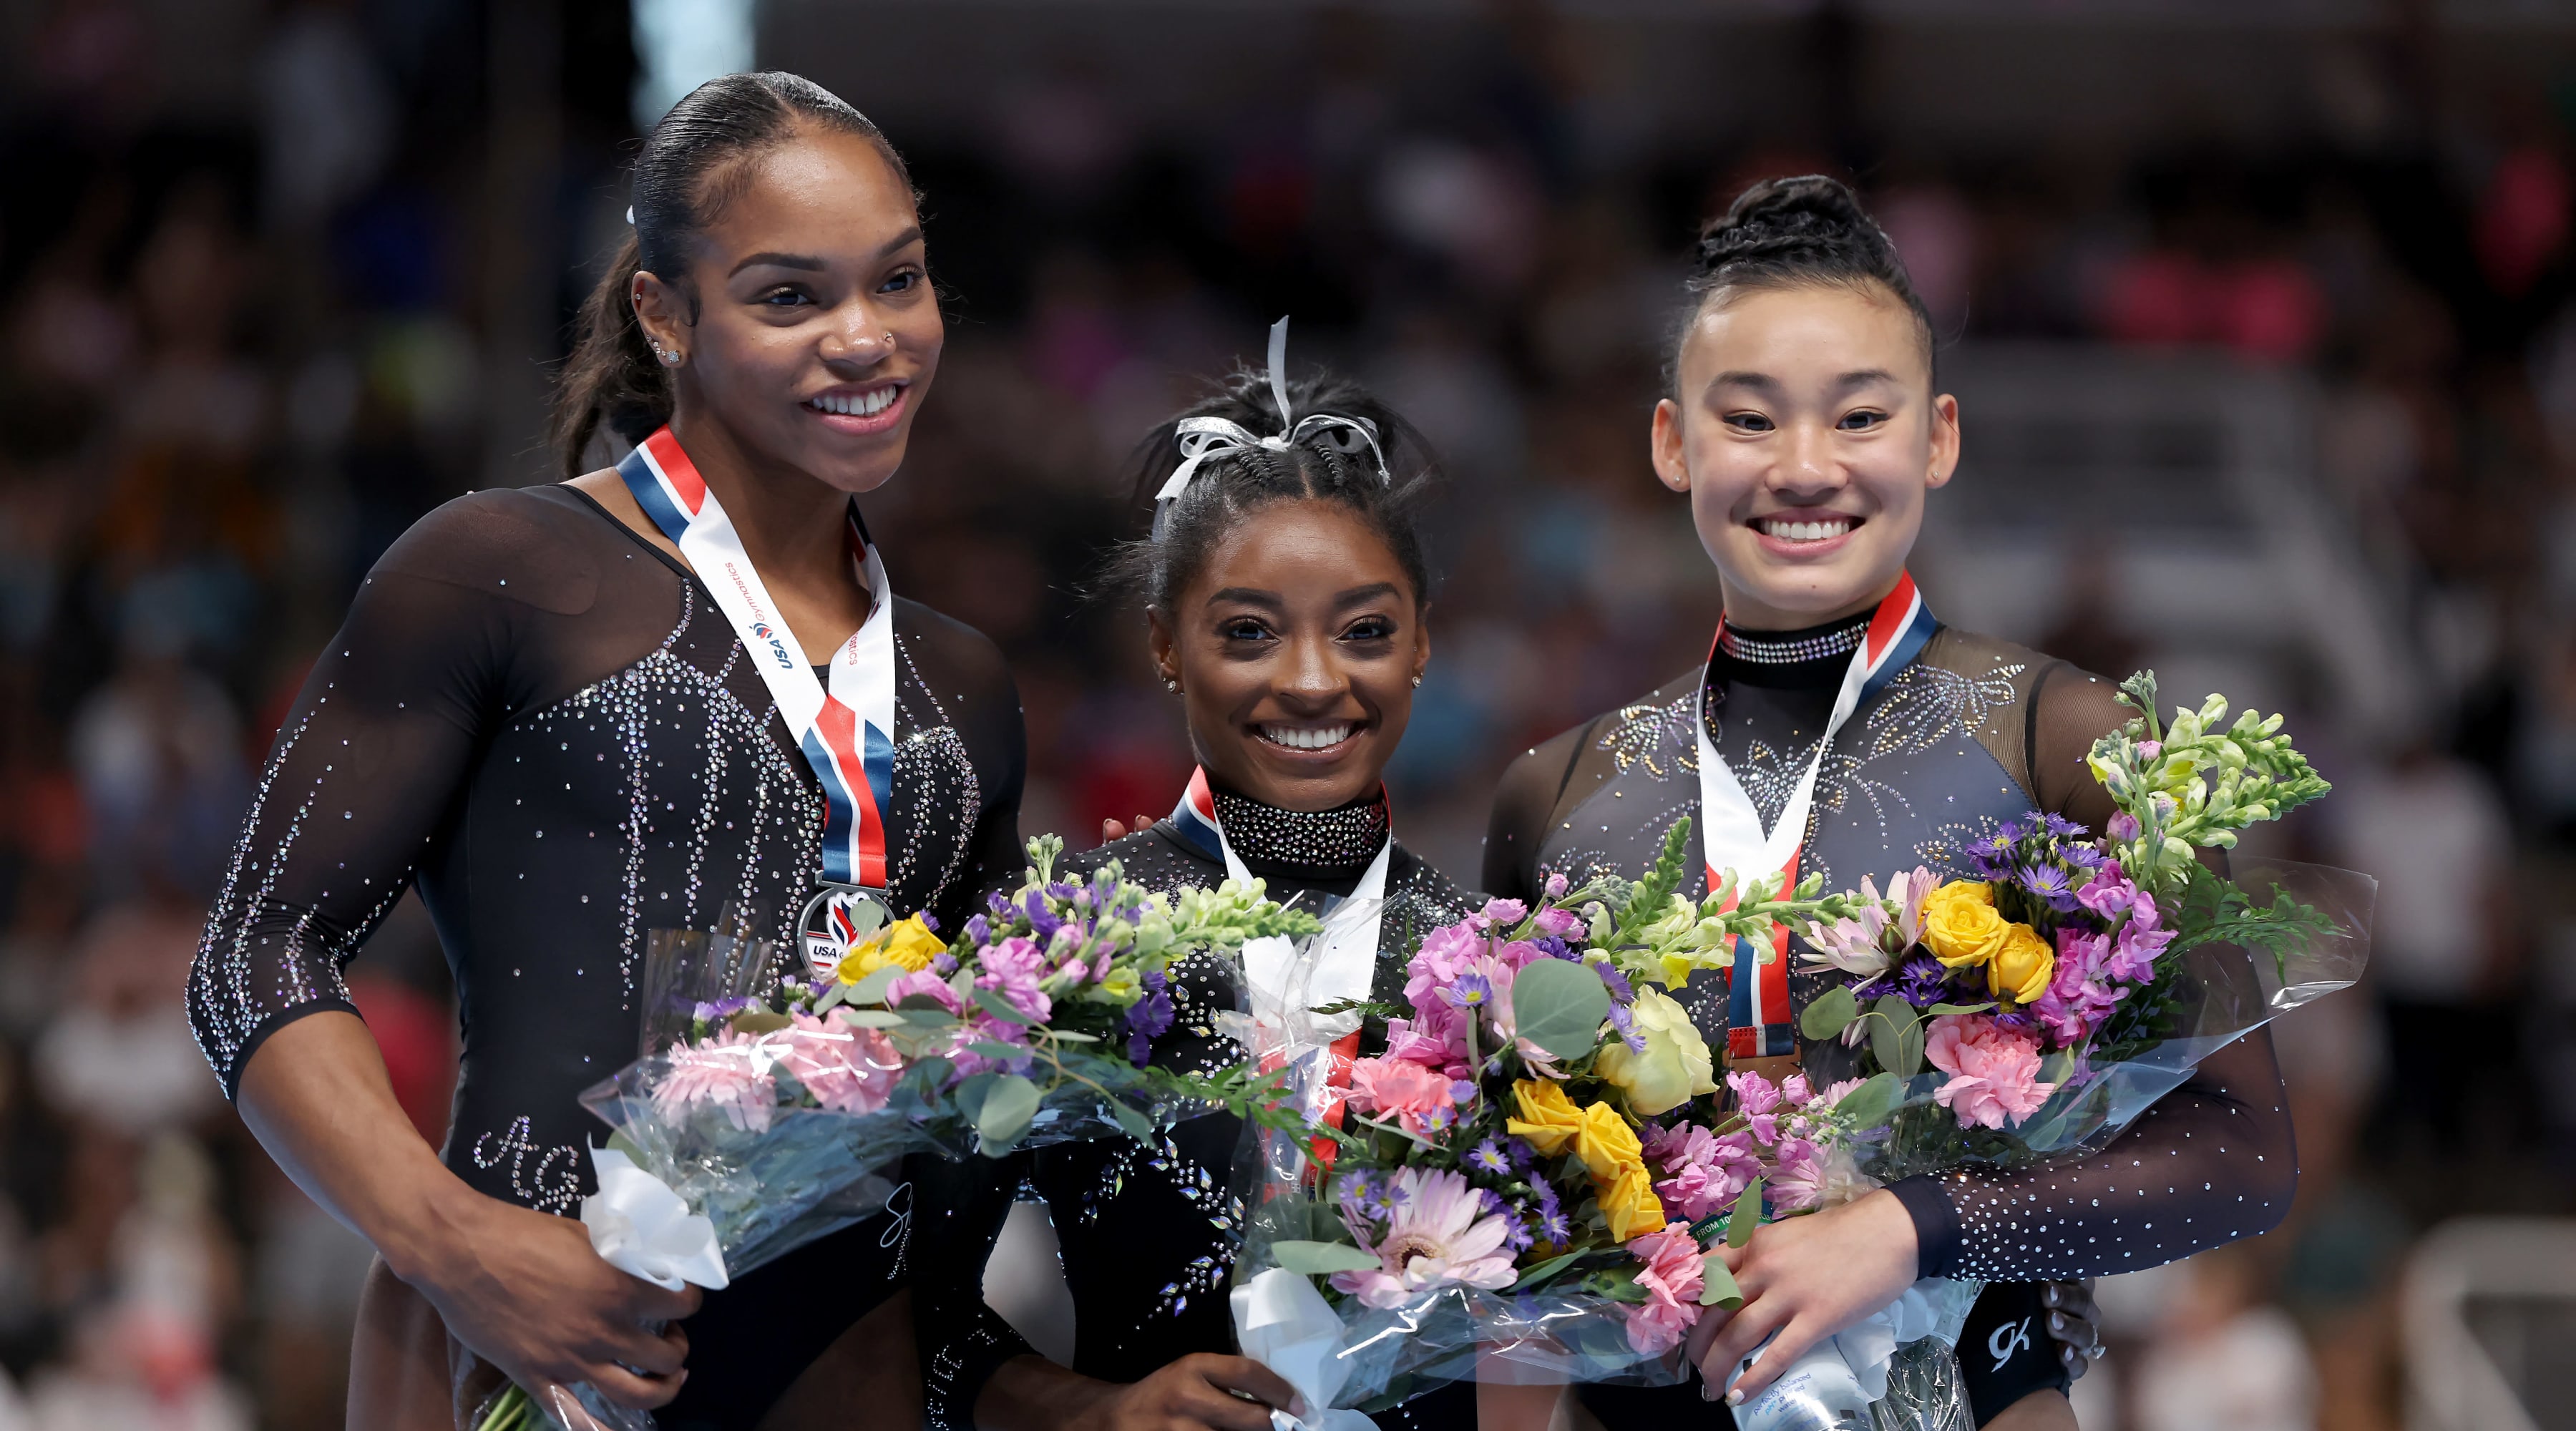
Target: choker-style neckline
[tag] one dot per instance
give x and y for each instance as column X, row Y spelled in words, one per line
column 1336, row 839
column 1811, row 656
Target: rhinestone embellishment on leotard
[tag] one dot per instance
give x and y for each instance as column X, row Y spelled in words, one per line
column 1768, row 651
column 1316, row 839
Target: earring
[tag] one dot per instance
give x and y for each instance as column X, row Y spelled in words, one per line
column 889, row 337
column 1417, row 683
column 671, row 357
column 1171, row 685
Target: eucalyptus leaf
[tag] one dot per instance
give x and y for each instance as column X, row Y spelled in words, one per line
column 970, row 1094
column 873, row 1018
column 1747, row 1215
column 872, row 989
column 749, row 1022
column 1829, row 1014
column 1889, row 1019
column 831, row 998
column 1316, row 1259
column 1560, row 1005
column 925, row 1011
column 1910, row 1050
column 1138, row 1126
column 866, row 918
column 1069, row 1036
column 1938, row 1009
column 1008, row 1106
column 1868, row 1105
column 996, row 1049
column 992, row 1002
column 1717, row 1285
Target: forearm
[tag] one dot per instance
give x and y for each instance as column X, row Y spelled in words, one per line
column 1031, row 1393
column 317, row 1097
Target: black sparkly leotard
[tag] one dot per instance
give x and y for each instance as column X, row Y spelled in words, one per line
column 1972, row 732
column 545, row 723
column 1149, row 1234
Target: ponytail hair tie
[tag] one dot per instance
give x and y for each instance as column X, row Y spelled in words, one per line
column 1202, row 438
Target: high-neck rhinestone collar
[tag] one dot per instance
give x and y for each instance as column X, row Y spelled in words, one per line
column 1311, row 839
column 1790, row 648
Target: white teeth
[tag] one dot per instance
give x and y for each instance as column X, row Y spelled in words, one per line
column 874, row 400
column 1807, row 531
column 1297, row 737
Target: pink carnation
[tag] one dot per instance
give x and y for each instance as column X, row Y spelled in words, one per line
column 1994, row 1072
column 725, row 1071
column 1797, row 1176
column 1407, row 1090
column 848, row 1070
column 1672, row 1276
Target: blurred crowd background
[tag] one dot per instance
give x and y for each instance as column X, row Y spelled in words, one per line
column 2263, row 318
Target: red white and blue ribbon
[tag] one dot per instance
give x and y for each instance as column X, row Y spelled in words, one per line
column 846, row 731
column 1759, row 1020
column 1340, row 964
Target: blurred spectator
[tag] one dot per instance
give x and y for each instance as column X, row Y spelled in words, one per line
column 2223, row 1358
column 117, row 1055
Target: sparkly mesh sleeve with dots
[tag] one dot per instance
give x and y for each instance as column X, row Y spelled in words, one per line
column 543, row 722
column 2211, row 1162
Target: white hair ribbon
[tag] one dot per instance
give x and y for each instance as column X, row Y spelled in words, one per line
column 1202, row 438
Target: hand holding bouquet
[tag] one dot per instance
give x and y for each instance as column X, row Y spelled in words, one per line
column 767, row 1109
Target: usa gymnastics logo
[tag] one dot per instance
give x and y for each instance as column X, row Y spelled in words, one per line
column 761, row 630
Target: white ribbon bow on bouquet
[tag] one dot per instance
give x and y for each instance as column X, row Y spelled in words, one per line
column 1282, row 1322
column 640, row 1226
column 1845, row 1372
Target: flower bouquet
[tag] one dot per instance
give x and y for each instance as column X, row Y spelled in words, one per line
column 768, row 1106
column 1533, row 1172
column 2036, row 1010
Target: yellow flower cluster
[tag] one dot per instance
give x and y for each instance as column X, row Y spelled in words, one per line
column 1603, row 1142
column 907, row 944
column 1962, row 928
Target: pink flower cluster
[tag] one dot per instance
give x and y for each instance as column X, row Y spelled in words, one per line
column 1673, row 1275
column 1437, row 1230
column 1422, row 1098
column 730, row 1072
column 2096, row 971
column 1994, row 1071
column 1706, row 1172
column 1463, row 973
column 848, row 1070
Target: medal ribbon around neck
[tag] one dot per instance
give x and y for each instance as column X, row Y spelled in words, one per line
column 846, row 731
column 1345, row 965
column 1758, row 1015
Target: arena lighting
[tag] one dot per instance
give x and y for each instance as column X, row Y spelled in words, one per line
column 681, row 44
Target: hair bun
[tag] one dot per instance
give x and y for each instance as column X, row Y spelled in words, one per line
column 1808, row 216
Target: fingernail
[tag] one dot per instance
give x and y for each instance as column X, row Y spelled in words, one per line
column 2050, row 1297
column 1297, row 1406
column 1707, row 1392
column 1735, row 1398
column 2057, row 1321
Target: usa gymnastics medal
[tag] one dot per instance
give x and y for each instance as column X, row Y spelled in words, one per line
column 837, row 917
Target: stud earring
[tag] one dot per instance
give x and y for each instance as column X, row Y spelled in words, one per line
column 671, row 357
column 1417, row 683
column 1171, row 685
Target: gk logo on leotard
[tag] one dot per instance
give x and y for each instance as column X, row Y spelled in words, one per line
column 2007, row 1339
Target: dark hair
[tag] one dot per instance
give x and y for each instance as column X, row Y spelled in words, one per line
column 692, row 165
column 1786, row 233
column 1329, row 464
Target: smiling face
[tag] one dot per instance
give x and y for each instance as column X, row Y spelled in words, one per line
column 815, row 331
column 1296, row 647
column 1805, row 430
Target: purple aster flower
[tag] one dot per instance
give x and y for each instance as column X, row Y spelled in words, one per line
column 1492, row 1202
column 1621, row 992
column 1626, row 1023
column 943, row 963
column 722, row 1009
column 1469, row 991
column 1522, row 1154
column 2058, row 827
column 999, row 903
column 1462, row 1092
column 2049, row 885
column 1488, row 1157
column 1551, row 946
column 1552, row 1221
column 1148, row 1019
column 1923, row 982
column 979, row 931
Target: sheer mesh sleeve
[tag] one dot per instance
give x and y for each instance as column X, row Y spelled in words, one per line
column 2211, row 1162
column 963, row 1341
column 1525, row 799
column 367, row 766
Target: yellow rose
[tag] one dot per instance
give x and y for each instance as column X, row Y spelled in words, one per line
column 1960, row 925
column 2023, row 967
column 1547, row 1119
column 1674, row 1066
column 1606, row 1144
column 906, row 943
column 1630, row 1205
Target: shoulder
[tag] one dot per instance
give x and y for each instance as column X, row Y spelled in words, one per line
column 534, row 546
column 957, row 651
column 1659, row 711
